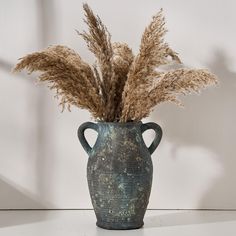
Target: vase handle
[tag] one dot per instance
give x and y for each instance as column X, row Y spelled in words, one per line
column 158, row 136
column 81, row 136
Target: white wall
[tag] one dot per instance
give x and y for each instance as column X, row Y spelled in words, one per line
column 42, row 164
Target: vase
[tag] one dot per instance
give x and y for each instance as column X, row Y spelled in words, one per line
column 119, row 172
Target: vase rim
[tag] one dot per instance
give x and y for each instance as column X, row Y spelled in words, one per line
column 120, row 123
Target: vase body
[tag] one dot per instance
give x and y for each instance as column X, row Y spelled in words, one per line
column 119, row 172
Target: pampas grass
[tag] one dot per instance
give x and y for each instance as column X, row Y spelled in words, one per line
column 119, row 87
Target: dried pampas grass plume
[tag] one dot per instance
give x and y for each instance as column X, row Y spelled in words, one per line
column 166, row 88
column 119, row 87
column 122, row 59
column 98, row 40
column 153, row 52
column 68, row 74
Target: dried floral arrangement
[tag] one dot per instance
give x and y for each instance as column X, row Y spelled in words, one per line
column 119, row 87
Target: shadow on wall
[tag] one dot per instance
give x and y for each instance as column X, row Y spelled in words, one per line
column 13, row 197
column 208, row 122
column 39, row 139
column 44, row 122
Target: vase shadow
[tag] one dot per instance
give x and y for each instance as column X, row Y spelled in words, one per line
column 189, row 218
column 208, row 122
column 132, row 232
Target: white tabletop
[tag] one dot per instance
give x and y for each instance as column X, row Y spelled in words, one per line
column 82, row 223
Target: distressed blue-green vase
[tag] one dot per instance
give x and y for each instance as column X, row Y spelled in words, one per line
column 119, row 172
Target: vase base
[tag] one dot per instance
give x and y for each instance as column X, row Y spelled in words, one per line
column 119, row 226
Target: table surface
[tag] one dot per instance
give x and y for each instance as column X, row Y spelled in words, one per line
column 82, row 223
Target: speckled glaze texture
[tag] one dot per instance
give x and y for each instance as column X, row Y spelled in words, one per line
column 119, row 172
